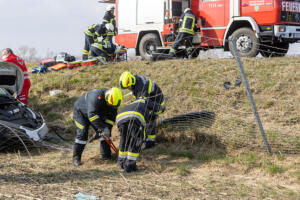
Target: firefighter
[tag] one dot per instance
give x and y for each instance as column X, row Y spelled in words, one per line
column 143, row 87
column 92, row 33
column 187, row 24
column 131, row 122
column 109, row 17
column 97, row 108
column 9, row 56
column 104, row 50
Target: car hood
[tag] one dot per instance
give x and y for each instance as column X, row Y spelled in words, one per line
column 11, row 77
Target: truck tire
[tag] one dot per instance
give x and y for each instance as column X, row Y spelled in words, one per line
column 278, row 49
column 246, row 42
column 147, row 42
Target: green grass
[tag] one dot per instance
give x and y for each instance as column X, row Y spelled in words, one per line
column 275, row 169
column 182, row 170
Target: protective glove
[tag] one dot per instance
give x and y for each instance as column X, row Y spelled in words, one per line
column 106, row 132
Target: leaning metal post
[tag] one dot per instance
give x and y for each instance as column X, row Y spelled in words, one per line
column 249, row 93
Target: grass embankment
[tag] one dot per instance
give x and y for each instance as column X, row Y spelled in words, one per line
column 226, row 161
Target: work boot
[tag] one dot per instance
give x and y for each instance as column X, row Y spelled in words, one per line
column 85, row 57
column 121, row 162
column 130, row 166
column 148, row 145
column 105, row 151
column 190, row 55
column 77, row 152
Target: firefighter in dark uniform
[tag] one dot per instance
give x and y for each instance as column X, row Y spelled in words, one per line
column 145, row 88
column 187, row 24
column 131, row 122
column 103, row 50
column 109, row 17
column 99, row 109
column 91, row 36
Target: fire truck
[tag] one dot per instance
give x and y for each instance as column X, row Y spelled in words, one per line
column 257, row 26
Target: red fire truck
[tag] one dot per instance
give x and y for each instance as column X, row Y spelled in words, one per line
column 258, row 26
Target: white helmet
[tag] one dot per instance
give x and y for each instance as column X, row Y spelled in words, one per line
column 110, row 7
column 187, row 9
column 109, row 27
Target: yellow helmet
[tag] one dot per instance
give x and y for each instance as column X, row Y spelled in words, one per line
column 126, row 80
column 113, row 96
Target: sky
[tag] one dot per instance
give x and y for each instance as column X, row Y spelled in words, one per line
column 52, row 25
column 48, row 25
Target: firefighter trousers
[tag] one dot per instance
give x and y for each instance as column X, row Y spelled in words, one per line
column 151, row 128
column 182, row 37
column 132, row 135
column 89, row 40
column 82, row 126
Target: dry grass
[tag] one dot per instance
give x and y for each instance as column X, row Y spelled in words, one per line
column 227, row 161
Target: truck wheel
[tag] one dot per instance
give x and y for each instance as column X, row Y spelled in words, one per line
column 278, row 49
column 148, row 43
column 247, row 43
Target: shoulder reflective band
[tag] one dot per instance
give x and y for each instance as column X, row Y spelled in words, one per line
column 89, row 33
column 93, row 118
column 78, row 125
column 109, row 122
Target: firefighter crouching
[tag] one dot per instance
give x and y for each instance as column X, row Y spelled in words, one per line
column 93, row 32
column 187, row 24
column 131, row 122
column 97, row 108
column 143, row 87
column 104, row 50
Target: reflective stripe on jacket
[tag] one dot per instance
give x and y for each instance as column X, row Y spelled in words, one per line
column 188, row 24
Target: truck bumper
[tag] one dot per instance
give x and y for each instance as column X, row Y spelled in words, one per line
column 287, row 32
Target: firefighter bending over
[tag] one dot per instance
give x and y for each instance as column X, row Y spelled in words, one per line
column 186, row 32
column 99, row 109
column 143, row 87
column 91, row 36
column 104, row 50
column 131, row 121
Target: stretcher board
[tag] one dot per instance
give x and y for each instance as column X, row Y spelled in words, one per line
column 89, row 62
column 74, row 64
column 59, row 66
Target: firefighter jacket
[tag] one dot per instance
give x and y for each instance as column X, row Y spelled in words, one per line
column 106, row 47
column 109, row 18
column 94, row 107
column 144, row 87
column 98, row 30
column 187, row 23
column 138, row 109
